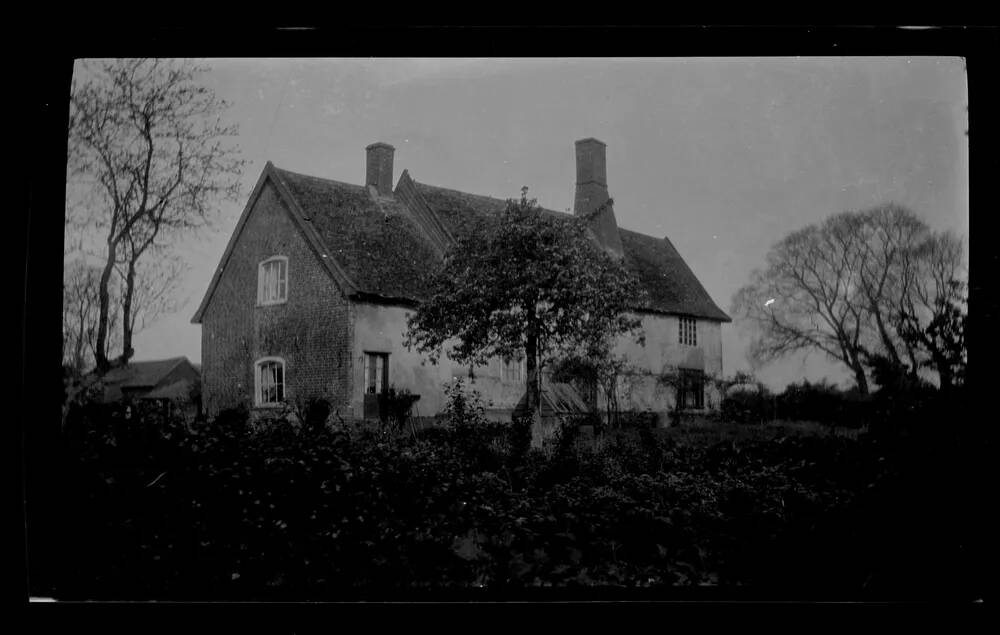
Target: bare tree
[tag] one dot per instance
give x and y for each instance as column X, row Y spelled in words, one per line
column 890, row 235
column 155, row 158
column 809, row 297
column 933, row 314
column 844, row 287
column 79, row 312
column 148, row 290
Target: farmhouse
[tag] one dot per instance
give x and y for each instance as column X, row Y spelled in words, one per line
column 311, row 296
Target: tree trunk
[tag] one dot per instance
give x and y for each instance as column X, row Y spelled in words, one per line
column 127, row 317
column 104, row 301
column 531, row 362
column 887, row 342
column 78, row 347
column 860, row 378
column 945, row 375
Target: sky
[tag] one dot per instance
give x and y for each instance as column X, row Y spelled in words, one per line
column 724, row 156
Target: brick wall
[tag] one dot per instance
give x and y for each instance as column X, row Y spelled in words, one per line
column 311, row 331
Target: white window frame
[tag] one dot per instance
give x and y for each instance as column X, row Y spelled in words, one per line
column 262, row 283
column 258, row 367
column 687, row 331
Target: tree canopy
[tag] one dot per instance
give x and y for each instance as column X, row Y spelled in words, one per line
column 854, row 287
column 524, row 283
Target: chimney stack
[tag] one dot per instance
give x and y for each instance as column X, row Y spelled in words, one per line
column 378, row 165
column 592, row 193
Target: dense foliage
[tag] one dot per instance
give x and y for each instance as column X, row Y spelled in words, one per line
column 524, row 283
column 154, row 509
column 899, row 399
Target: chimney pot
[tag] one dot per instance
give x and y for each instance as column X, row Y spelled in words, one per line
column 591, row 164
column 378, row 166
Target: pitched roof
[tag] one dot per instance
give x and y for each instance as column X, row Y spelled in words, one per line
column 180, row 389
column 142, row 374
column 377, row 244
column 670, row 284
column 386, row 247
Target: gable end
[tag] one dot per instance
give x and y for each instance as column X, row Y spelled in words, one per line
column 270, row 176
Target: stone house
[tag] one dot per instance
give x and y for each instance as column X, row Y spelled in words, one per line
column 311, row 296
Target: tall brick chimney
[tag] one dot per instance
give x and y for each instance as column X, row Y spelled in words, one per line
column 592, row 192
column 379, row 167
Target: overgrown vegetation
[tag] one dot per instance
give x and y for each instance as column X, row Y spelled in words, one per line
column 525, row 283
column 899, row 400
column 154, row 508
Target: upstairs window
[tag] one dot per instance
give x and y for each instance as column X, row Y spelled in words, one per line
column 512, row 371
column 272, row 281
column 270, row 380
column 688, row 331
column 376, row 373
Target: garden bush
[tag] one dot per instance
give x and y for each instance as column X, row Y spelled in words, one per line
column 747, row 406
column 156, row 510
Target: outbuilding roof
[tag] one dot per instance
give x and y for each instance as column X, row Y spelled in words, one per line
column 141, row 374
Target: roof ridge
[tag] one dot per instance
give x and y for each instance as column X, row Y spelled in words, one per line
column 318, row 178
column 486, row 196
column 156, row 361
column 451, row 189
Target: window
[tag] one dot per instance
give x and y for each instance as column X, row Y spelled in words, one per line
column 688, row 331
column 691, row 393
column 270, row 381
column 376, row 373
column 512, row 371
column 272, row 281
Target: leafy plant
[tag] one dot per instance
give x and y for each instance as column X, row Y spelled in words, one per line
column 160, row 511
column 524, row 283
column 395, row 407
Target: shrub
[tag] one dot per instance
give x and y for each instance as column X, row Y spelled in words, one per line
column 746, row 406
column 463, row 407
column 216, row 513
column 314, row 414
column 395, row 407
column 639, row 420
column 234, row 419
column 807, row 401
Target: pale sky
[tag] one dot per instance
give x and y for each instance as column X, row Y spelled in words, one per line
column 724, row 156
